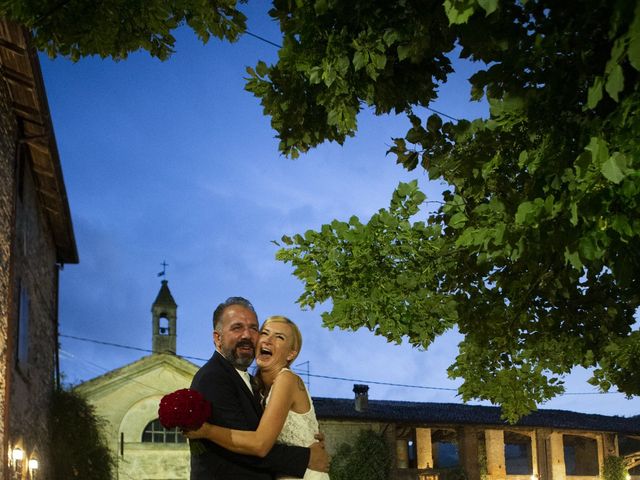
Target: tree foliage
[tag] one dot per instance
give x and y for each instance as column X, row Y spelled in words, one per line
column 78, row 448
column 533, row 252
column 614, row 468
column 115, row 28
column 368, row 457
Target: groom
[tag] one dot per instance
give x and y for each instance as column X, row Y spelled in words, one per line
column 224, row 381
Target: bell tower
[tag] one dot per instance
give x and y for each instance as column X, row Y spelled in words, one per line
column 164, row 316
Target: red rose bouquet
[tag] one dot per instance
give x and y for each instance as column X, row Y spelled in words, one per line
column 185, row 408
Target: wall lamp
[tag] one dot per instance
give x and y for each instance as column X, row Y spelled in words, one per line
column 17, row 458
column 33, row 468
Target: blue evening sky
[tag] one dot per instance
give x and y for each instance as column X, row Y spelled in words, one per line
column 175, row 161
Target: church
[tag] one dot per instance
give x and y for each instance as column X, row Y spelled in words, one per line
column 127, row 399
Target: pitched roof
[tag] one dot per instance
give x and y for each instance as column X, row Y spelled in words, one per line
column 135, row 369
column 21, row 71
column 460, row 414
column 164, row 297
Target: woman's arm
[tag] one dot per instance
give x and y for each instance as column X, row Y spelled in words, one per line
column 258, row 442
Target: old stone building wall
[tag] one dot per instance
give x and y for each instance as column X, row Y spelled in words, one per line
column 36, row 234
column 35, row 296
column 338, row 432
column 7, row 155
column 482, row 449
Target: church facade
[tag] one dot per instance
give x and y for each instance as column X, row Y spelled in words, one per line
column 127, row 399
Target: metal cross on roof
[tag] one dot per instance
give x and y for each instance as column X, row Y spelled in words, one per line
column 164, row 269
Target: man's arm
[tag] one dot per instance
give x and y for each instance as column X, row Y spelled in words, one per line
column 318, row 458
column 257, row 442
column 232, row 408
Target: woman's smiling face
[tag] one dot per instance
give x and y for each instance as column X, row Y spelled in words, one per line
column 275, row 348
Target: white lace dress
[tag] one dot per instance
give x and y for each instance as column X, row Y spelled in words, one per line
column 299, row 429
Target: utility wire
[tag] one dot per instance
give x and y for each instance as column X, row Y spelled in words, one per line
column 355, row 380
column 328, row 377
column 384, row 383
column 443, row 114
column 146, row 350
column 247, row 32
column 106, row 370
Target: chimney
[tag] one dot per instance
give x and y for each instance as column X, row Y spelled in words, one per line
column 362, row 397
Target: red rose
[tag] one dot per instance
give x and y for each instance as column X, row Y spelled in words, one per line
column 185, row 408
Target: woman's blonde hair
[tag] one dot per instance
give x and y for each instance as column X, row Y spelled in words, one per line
column 296, row 337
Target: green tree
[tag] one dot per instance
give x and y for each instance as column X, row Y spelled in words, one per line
column 115, row 28
column 614, row 468
column 368, row 457
column 533, row 251
column 78, row 447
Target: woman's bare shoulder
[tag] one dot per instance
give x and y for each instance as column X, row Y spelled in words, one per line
column 287, row 380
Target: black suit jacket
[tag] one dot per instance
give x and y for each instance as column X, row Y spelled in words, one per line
column 234, row 406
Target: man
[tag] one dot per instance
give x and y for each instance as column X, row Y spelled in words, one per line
column 224, row 381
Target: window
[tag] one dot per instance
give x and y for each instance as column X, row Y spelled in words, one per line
column 163, row 328
column 154, row 432
column 517, row 454
column 22, row 352
column 444, row 444
column 580, row 455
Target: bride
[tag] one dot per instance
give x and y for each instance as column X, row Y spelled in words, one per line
column 289, row 417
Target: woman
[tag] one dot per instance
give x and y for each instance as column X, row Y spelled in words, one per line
column 289, row 416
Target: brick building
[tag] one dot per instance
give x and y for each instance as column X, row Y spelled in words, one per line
column 36, row 240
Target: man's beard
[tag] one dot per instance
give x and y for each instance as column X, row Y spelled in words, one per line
column 240, row 361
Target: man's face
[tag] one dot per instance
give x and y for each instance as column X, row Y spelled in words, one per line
column 237, row 336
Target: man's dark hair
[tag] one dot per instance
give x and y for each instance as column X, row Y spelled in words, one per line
column 217, row 313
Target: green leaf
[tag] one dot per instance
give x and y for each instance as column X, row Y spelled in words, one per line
column 390, row 37
column 573, row 258
column 359, row 60
column 615, row 82
column 573, row 207
column 458, row 11
column 599, row 150
column 489, row 6
column 499, row 233
column 403, row 52
column 404, row 189
column 434, row 123
column 525, row 209
column 320, row 7
column 588, row 248
column 458, row 220
column 634, row 39
column 615, row 167
column 262, row 69
column 415, row 135
column 634, row 47
column 595, row 93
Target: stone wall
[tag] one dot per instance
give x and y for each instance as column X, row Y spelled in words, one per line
column 35, row 287
column 337, row 432
column 7, row 155
column 546, row 453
